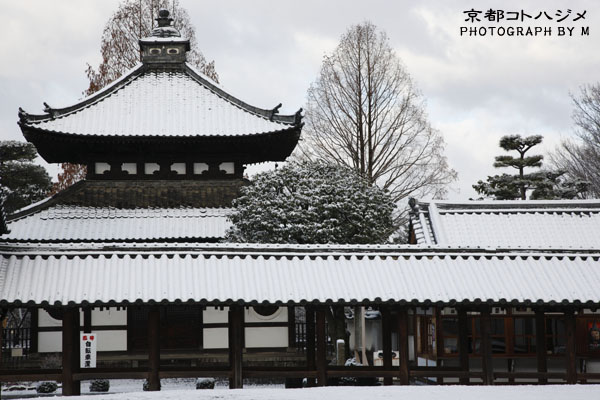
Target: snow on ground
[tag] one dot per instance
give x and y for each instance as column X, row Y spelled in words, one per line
column 550, row 392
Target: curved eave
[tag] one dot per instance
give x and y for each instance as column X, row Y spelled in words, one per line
column 52, row 113
column 57, row 147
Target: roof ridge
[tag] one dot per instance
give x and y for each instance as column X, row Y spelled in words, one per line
column 272, row 114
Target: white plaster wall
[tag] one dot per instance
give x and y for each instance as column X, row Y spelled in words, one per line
column 110, row 316
column 281, row 315
column 49, row 342
column 113, row 340
column 212, row 315
column 215, row 338
column 45, row 320
column 276, row 336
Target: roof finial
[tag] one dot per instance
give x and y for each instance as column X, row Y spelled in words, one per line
column 163, row 18
column 164, row 28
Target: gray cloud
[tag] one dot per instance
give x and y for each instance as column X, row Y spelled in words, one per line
column 266, row 52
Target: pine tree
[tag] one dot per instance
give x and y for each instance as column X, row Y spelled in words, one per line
column 543, row 184
column 22, row 181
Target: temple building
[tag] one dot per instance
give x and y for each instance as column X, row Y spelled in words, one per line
column 487, row 292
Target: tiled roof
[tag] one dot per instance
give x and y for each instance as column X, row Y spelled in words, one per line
column 76, row 223
column 165, row 103
column 294, row 277
column 509, row 224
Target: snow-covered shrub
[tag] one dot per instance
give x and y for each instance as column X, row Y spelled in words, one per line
column 99, row 385
column 205, row 383
column 312, row 203
column 46, row 387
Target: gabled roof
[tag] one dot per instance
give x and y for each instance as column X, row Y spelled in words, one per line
column 545, row 225
column 221, row 274
column 154, row 104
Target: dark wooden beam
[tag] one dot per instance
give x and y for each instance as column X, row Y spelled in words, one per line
column 310, row 344
column 87, row 319
column 236, row 346
column 540, row 343
column 70, row 352
column 403, row 345
column 291, row 326
column 321, row 348
column 153, row 348
column 439, row 345
column 386, row 331
column 463, row 344
column 570, row 349
column 485, row 320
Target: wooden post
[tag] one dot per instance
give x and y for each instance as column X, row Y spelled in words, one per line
column 570, row 349
column 540, row 343
column 403, row 345
column 463, row 344
column 87, row 319
column 386, row 330
column 153, row 348
column 486, row 346
column 70, row 351
column 321, row 348
column 236, row 346
column 310, row 343
column 291, row 326
column 439, row 345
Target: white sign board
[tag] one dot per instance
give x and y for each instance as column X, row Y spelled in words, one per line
column 87, row 350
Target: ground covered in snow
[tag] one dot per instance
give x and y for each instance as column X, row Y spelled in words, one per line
column 553, row 392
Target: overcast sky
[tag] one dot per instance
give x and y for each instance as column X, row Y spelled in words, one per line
column 266, row 52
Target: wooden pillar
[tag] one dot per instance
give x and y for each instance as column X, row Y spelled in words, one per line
column 291, row 326
column 403, row 345
column 540, row 343
column 70, row 351
column 439, row 345
column 486, row 346
column 321, row 348
column 570, row 350
column 153, row 348
column 386, row 331
column 87, row 319
column 310, row 343
column 463, row 344
column 236, row 346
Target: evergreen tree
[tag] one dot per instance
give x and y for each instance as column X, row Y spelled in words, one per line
column 542, row 184
column 312, row 203
column 22, row 181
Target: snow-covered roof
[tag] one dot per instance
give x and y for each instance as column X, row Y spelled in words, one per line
column 564, row 224
column 121, row 277
column 78, row 223
column 160, row 103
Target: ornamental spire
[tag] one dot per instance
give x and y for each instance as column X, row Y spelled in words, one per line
column 164, row 28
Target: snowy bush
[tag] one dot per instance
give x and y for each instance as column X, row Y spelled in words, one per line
column 46, row 387
column 205, row 383
column 99, row 385
column 312, row 203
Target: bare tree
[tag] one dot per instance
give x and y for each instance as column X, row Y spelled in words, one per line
column 133, row 20
column 581, row 158
column 364, row 111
